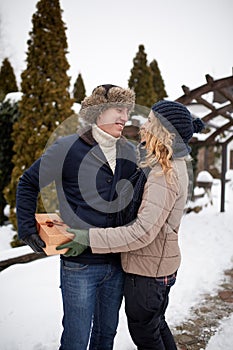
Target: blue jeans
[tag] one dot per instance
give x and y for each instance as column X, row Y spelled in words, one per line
column 92, row 296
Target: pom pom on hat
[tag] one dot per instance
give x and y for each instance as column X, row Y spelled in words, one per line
column 198, row 125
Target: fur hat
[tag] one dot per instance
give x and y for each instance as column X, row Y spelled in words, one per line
column 178, row 120
column 104, row 97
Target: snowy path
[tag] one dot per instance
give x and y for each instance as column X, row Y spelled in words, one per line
column 206, row 319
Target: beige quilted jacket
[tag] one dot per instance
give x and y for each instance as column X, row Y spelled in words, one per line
column 149, row 245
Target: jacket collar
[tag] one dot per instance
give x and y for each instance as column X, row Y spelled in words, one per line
column 86, row 135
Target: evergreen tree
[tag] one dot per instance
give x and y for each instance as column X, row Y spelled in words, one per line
column 45, row 86
column 141, row 80
column 8, row 115
column 158, row 82
column 7, row 79
column 79, row 92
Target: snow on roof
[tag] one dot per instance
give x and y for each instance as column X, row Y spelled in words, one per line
column 204, row 176
column 13, row 97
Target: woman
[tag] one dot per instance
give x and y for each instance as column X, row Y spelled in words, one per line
column 149, row 245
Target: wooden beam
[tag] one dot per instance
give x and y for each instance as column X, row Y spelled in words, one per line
column 211, row 138
column 220, row 111
column 209, row 79
column 226, row 94
column 215, row 85
column 205, row 103
column 223, row 177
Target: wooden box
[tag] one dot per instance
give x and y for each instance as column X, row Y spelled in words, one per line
column 52, row 231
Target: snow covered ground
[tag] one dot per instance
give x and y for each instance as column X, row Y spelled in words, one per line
column 30, row 300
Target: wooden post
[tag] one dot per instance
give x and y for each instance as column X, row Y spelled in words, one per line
column 223, row 172
column 223, row 176
column 206, row 163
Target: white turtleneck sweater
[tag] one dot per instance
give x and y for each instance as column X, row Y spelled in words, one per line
column 107, row 144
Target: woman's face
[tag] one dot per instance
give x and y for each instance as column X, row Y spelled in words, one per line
column 146, row 127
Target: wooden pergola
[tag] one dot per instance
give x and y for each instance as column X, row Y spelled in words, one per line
column 219, row 117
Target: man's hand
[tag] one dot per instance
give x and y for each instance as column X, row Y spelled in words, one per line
column 35, row 242
column 79, row 243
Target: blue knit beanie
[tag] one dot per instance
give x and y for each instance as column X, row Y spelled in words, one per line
column 177, row 119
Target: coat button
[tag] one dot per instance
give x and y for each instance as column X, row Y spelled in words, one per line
column 109, row 180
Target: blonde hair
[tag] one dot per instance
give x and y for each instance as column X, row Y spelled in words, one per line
column 158, row 144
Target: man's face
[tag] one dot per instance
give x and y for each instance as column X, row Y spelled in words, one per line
column 113, row 120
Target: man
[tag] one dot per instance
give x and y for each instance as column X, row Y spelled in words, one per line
column 87, row 169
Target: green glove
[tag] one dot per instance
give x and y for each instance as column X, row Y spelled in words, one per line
column 75, row 248
column 80, row 236
column 79, row 243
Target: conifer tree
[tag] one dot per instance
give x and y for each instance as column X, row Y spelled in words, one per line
column 46, row 100
column 79, row 92
column 141, row 80
column 158, row 82
column 7, row 79
column 8, row 115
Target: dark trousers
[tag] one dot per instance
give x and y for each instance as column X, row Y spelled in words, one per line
column 145, row 304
